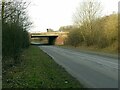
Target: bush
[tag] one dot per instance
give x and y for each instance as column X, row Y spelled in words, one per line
column 74, row 37
column 102, row 33
column 15, row 37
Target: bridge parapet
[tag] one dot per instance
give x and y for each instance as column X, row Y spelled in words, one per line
column 50, row 33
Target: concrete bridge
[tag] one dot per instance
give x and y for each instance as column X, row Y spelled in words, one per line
column 54, row 38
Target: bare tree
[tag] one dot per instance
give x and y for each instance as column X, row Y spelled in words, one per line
column 86, row 14
column 15, row 11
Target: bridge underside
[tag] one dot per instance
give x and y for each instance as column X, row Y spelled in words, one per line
column 51, row 39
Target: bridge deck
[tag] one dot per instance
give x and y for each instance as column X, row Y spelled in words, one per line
column 44, row 35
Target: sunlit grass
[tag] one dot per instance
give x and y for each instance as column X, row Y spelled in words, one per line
column 108, row 50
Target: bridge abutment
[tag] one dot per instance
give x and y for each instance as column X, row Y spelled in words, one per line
column 51, row 40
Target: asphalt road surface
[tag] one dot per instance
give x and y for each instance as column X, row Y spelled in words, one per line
column 92, row 70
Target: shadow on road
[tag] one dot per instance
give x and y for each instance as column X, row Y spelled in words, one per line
column 40, row 44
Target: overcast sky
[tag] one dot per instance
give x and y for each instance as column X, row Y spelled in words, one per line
column 55, row 13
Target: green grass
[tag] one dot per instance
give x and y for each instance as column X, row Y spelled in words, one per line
column 38, row 70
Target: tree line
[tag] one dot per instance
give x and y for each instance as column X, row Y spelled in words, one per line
column 15, row 23
column 92, row 29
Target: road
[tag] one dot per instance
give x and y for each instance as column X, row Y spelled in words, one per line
column 92, row 70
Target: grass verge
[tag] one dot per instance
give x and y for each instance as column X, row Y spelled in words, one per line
column 38, row 70
column 107, row 50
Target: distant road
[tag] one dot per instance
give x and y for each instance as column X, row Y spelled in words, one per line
column 93, row 71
